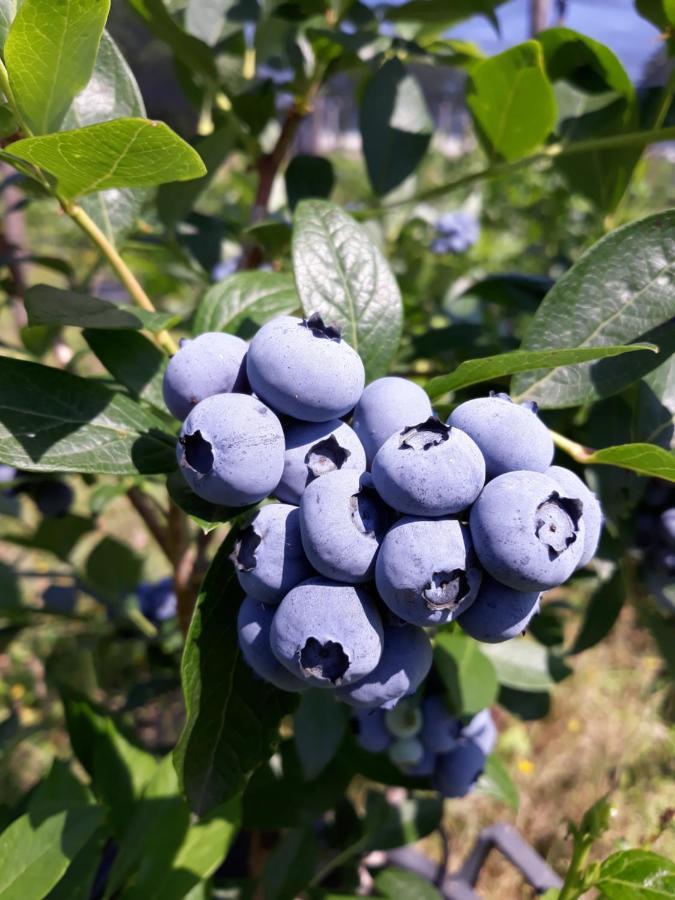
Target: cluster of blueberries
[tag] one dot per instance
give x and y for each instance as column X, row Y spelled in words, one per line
column 425, row 739
column 655, row 538
column 385, row 527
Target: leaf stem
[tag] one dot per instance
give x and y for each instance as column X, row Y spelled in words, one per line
column 577, row 451
column 574, row 885
column 6, row 88
column 124, row 273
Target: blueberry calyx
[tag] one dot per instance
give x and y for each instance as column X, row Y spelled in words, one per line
column 326, row 456
column 446, row 590
column 198, row 452
column 327, row 661
column 425, row 435
column 243, row 555
column 557, row 523
column 319, row 329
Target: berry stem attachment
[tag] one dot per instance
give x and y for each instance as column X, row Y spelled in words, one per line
column 123, row 272
column 577, row 451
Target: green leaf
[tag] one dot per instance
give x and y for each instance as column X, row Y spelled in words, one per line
column 290, row 866
column 175, row 201
column 241, row 303
column 133, row 361
column 396, row 126
column 123, row 153
column 511, row 101
column 389, row 825
column 489, row 368
column 232, row 717
column 10, row 591
column 204, row 514
column 660, row 13
column 51, row 420
column 442, row 13
column 635, row 875
column 600, row 615
column 78, row 881
column 645, row 459
column 50, row 53
column 521, row 664
column 113, row 568
column 193, row 53
column 7, row 13
column 343, row 276
column 320, row 725
column 621, row 290
column 308, row 176
column 48, row 305
column 496, row 782
column 118, row 769
column 33, row 859
column 112, row 93
column 57, row 536
column 60, row 790
column 654, row 415
column 204, row 19
column 468, row 675
column 399, row 884
column 163, row 854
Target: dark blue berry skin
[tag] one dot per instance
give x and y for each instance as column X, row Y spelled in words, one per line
column 440, row 729
column 253, row 628
column 458, row 770
column 327, row 634
column 371, row 730
column 268, row 555
column 403, row 666
column 426, row 571
column 313, row 449
column 667, row 523
column 213, row 363
column 457, row 232
column 60, row 598
column 510, row 437
column 157, row 601
column 527, row 531
column 572, row 485
column 342, row 522
column 424, row 767
column 53, row 498
column 388, row 405
column 231, row 450
column 303, row 368
column 429, row 470
column 499, row 613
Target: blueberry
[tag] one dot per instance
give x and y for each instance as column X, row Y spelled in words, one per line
column 482, row 731
column 510, row 436
column 429, row 470
column 405, row 719
column 423, row 768
column 7, row 474
column 231, row 450
column 326, row 633
column 499, row 613
column 268, row 555
column 342, row 522
column 253, row 628
column 457, row 230
column 667, row 523
column 213, row 363
column 371, row 731
column 314, row 449
column 573, row 486
column 405, row 752
column 303, row 368
column 157, row 601
column 426, row 571
column 458, row 770
column 527, row 531
column 387, row 405
column 440, row 729
column 403, row 666
column 60, row 598
column 52, row 498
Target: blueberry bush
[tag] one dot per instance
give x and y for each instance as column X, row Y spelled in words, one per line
column 313, row 467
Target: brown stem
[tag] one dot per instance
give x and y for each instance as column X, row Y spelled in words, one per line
column 147, row 511
column 183, row 555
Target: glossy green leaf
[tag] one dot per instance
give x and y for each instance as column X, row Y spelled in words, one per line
column 621, row 290
column 442, row 13
column 205, row 19
column 400, row 884
column 51, row 420
column 511, row 101
column 33, row 859
column 635, row 875
column 119, row 770
column 468, row 675
column 232, row 728
column 112, row 93
column 163, row 855
column 50, row 53
column 342, row 275
column 48, row 305
column 242, row 302
column 124, row 153
column 388, row 825
column 290, row 866
column 521, row 664
column 192, row 53
column 78, row 880
column 133, row 360
column 308, row 176
column 645, row 459
column 319, row 727
column 59, row 790
column 489, row 368
column 496, row 782
column 396, row 126
column 204, row 514
column 600, row 615
column 7, row 13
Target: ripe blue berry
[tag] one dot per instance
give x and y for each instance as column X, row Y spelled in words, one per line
column 499, row 613
column 157, row 601
column 440, row 729
column 253, row 629
column 458, row 770
column 231, row 450
column 371, row 731
column 388, row 405
column 213, row 363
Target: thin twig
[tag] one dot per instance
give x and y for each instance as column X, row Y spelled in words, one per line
column 146, row 510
